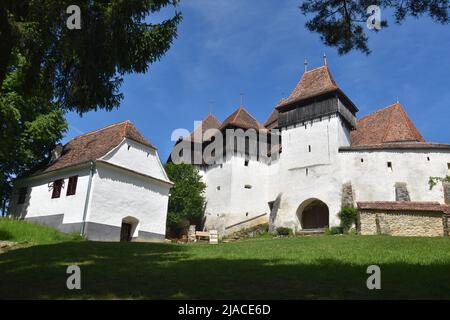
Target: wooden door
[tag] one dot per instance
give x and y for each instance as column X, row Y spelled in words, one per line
column 125, row 232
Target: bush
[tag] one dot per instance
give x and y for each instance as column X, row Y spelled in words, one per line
column 348, row 217
column 333, row 230
column 283, row 231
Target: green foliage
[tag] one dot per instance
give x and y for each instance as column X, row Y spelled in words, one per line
column 187, row 201
column 84, row 68
column 283, row 231
column 24, row 231
column 47, row 70
column 347, row 217
column 433, row 181
column 334, row 230
column 342, row 23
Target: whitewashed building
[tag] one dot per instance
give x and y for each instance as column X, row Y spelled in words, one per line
column 108, row 185
column 328, row 159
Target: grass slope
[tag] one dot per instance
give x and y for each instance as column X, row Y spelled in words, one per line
column 24, row 231
column 332, row 267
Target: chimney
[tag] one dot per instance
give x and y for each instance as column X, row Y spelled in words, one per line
column 56, row 152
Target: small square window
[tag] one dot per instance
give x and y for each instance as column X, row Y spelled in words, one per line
column 246, row 163
column 247, row 186
column 218, row 188
column 389, row 165
column 448, row 166
column 22, row 195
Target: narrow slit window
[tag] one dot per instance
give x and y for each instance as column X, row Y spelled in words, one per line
column 389, row 165
column 428, row 158
column 362, row 160
column 22, row 195
column 56, row 188
column 72, row 186
column 309, row 148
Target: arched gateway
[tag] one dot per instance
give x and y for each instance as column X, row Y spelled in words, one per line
column 313, row 214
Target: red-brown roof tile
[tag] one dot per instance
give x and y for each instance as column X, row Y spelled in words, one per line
column 272, row 121
column 94, row 145
column 388, row 125
column 210, row 122
column 402, row 206
column 313, row 83
column 241, row 119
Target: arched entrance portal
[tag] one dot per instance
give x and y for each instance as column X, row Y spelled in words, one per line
column 128, row 228
column 313, row 214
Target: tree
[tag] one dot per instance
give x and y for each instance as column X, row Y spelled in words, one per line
column 341, row 23
column 187, row 201
column 47, row 69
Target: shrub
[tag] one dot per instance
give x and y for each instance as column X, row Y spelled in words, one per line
column 283, row 231
column 347, row 217
column 333, row 230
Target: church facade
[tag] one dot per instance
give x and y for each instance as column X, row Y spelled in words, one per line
column 324, row 159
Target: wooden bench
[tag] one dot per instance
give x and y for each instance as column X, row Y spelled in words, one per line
column 212, row 236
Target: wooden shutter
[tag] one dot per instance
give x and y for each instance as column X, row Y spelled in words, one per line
column 57, row 185
column 72, row 187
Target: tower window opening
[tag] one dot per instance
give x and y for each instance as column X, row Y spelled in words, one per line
column 428, row 158
column 362, row 160
column 307, row 171
column 309, row 148
column 246, row 162
column 389, row 165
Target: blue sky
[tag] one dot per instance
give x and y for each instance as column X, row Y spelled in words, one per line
column 228, row 47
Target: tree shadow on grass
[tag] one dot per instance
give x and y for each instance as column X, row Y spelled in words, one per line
column 161, row 271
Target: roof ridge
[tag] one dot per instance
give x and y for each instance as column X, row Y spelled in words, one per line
column 389, row 123
column 376, row 111
column 100, row 129
column 409, row 122
column 238, row 111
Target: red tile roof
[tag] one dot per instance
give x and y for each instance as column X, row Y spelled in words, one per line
column 397, row 146
column 388, row 125
column 272, row 121
column 429, row 206
column 313, row 83
column 94, row 145
column 210, row 122
column 241, row 119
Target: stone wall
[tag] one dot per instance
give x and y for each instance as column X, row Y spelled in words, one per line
column 405, row 223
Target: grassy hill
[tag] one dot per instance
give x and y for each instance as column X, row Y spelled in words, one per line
column 24, row 231
column 332, row 267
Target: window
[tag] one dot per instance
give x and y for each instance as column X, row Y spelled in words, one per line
column 57, row 186
column 309, row 148
column 129, row 147
column 389, row 165
column 448, row 166
column 362, row 160
column 246, row 214
column 246, row 163
column 247, row 186
column 428, row 158
column 307, row 171
column 22, row 195
column 72, row 186
column 218, row 188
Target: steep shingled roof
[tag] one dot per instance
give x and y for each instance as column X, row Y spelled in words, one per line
column 94, row 145
column 210, row 122
column 241, row 119
column 387, row 125
column 272, row 121
column 313, row 83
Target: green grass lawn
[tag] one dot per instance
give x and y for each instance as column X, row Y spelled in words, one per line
column 331, row 267
column 24, row 231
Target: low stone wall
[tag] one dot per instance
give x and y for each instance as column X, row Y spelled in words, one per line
column 412, row 223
